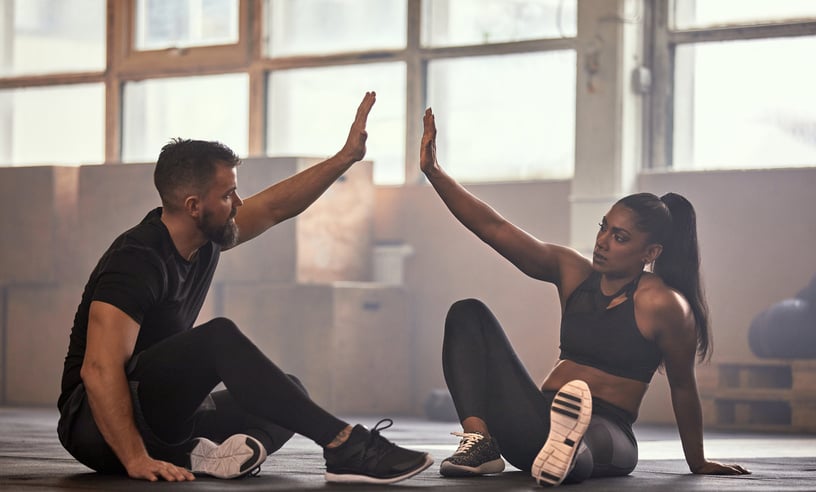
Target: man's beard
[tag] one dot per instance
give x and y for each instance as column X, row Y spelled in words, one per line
column 224, row 235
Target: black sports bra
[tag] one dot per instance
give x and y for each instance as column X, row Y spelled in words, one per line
column 607, row 339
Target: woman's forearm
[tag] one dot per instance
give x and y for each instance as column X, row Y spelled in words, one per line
column 689, row 416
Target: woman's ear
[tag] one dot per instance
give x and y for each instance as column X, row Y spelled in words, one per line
column 652, row 253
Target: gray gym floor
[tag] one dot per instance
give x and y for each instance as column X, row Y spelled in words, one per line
column 32, row 459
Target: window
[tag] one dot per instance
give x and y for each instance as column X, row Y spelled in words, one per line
column 690, row 14
column 745, row 104
column 53, row 125
column 739, row 96
column 449, row 60
column 254, row 73
column 52, row 91
column 315, row 27
column 156, row 111
column 465, row 22
column 283, row 77
column 505, row 117
column 311, row 110
column 185, row 23
column 51, row 36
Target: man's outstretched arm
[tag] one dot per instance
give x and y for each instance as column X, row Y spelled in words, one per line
column 293, row 195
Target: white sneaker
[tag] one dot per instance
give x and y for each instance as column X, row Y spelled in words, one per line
column 239, row 455
column 569, row 418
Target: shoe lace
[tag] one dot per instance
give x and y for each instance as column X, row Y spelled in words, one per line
column 377, row 427
column 377, row 445
column 469, row 439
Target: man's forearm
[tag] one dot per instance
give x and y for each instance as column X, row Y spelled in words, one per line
column 293, row 195
column 288, row 198
column 112, row 408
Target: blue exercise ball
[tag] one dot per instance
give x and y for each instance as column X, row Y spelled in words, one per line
column 786, row 330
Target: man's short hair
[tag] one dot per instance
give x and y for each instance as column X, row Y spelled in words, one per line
column 187, row 167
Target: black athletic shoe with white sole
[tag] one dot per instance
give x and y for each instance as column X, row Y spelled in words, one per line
column 238, row 456
column 477, row 455
column 569, row 418
column 367, row 457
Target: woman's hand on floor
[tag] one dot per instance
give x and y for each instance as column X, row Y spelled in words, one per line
column 714, row 468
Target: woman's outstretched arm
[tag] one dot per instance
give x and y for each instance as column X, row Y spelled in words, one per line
column 540, row 260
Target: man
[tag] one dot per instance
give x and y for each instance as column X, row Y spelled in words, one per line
column 137, row 379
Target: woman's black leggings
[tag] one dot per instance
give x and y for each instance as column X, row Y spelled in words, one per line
column 171, row 384
column 487, row 380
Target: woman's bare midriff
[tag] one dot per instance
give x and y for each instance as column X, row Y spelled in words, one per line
column 622, row 392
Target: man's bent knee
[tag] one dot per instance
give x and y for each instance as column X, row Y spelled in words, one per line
column 221, row 327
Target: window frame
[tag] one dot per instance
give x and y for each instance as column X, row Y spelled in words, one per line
column 179, row 61
column 660, row 46
column 414, row 55
column 124, row 63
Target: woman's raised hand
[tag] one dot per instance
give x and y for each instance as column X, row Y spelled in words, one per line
column 427, row 149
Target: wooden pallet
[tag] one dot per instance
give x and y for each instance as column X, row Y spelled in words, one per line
column 764, row 395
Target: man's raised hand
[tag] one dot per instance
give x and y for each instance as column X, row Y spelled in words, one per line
column 355, row 147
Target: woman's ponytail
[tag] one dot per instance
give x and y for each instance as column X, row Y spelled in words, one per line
column 679, row 264
column 671, row 222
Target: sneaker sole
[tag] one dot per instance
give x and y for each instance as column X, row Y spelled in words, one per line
column 352, row 478
column 239, row 455
column 569, row 418
column 448, row 469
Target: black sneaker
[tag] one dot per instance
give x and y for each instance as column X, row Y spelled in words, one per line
column 367, row 457
column 238, row 456
column 476, row 455
column 569, row 418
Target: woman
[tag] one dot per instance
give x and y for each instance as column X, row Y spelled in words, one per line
column 619, row 324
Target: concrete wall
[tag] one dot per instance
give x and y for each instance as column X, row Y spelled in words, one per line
column 38, row 264
column 39, row 241
column 450, row 263
column 349, row 343
column 60, row 220
column 756, row 231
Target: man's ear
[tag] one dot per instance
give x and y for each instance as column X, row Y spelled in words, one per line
column 192, row 204
column 652, row 253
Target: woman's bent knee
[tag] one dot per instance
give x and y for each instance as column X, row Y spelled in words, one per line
column 465, row 312
column 466, row 306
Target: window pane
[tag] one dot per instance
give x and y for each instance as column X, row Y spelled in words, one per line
column 464, row 22
column 53, row 125
column 505, row 117
column 332, row 26
column 745, row 104
column 310, row 112
column 48, row 36
column 212, row 107
column 184, row 23
column 696, row 13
